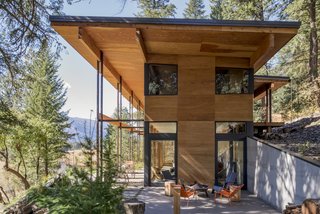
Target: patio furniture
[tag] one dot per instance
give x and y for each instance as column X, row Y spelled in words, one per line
column 167, row 175
column 231, row 179
column 237, row 196
column 168, row 187
column 155, row 174
column 187, row 193
column 200, row 188
column 228, row 194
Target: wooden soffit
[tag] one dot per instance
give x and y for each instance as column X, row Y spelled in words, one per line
column 128, row 43
column 263, row 83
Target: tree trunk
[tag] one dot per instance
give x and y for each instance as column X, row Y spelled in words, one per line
column 17, row 174
column 38, row 167
column 46, row 159
column 260, row 10
column 1, row 197
column 14, row 172
column 313, row 51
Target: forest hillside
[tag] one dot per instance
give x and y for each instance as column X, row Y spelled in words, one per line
column 301, row 136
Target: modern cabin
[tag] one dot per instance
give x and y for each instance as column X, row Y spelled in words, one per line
column 194, row 80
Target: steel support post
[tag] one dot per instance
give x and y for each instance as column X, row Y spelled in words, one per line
column 118, row 117
column 98, row 122
column 120, row 110
column 101, row 113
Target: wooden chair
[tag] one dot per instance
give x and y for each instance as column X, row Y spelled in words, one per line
column 187, row 193
column 230, row 180
column 155, row 174
column 227, row 194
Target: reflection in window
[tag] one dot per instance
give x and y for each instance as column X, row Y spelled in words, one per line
column 162, row 79
column 232, row 81
column 230, row 159
column 162, row 127
column 230, row 127
column 162, row 160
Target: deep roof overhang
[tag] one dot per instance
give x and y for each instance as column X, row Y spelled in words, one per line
column 128, row 43
column 264, row 82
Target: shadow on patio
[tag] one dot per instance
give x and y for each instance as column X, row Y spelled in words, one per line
column 157, row 202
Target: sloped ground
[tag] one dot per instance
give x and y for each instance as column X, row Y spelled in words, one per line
column 301, row 136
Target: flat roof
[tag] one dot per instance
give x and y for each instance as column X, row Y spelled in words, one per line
column 126, row 44
column 262, row 82
column 174, row 21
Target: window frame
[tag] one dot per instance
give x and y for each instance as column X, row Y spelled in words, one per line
column 146, row 79
column 148, row 137
column 250, row 80
column 244, row 122
column 159, row 133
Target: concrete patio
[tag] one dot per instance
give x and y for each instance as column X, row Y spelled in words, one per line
column 157, row 202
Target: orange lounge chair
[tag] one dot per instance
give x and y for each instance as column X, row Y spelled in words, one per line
column 187, row 193
column 227, row 194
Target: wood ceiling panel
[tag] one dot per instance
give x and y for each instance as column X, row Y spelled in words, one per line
column 190, row 49
column 117, row 47
column 227, row 38
column 113, row 35
column 215, row 45
column 121, row 47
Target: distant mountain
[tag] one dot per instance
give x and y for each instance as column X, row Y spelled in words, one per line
column 80, row 127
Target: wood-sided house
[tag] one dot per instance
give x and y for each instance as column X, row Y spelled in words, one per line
column 194, row 79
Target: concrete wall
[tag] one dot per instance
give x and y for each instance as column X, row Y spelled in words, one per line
column 278, row 177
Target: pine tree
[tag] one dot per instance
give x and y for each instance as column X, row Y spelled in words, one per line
column 244, row 10
column 45, row 98
column 156, row 9
column 195, row 10
column 216, row 9
column 298, row 59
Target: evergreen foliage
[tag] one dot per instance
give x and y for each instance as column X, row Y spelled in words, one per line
column 24, row 25
column 76, row 193
column 45, row 98
column 194, row 10
column 156, row 8
column 216, row 9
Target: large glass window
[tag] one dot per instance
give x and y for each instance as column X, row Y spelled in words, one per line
column 229, row 159
column 232, row 81
column 162, row 160
column 163, row 127
column 161, row 79
column 230, row 127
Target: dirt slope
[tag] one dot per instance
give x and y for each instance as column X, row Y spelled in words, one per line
column 301, row 136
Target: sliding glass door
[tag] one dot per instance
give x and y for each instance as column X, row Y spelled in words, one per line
column 229, row 158
column 162, row 160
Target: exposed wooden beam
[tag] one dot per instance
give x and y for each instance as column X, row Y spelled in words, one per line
column 141, row 45
column 87, row 41
column 259, row 92
column 260, row 57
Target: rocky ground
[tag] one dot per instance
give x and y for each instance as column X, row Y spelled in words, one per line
column 301, row 136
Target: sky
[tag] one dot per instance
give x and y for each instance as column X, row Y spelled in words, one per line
column 78, row 75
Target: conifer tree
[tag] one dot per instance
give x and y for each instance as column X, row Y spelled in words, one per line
column 216, row 9
column 45, row 98
column 245, row 10
column 156, row 8
column 195, row 10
